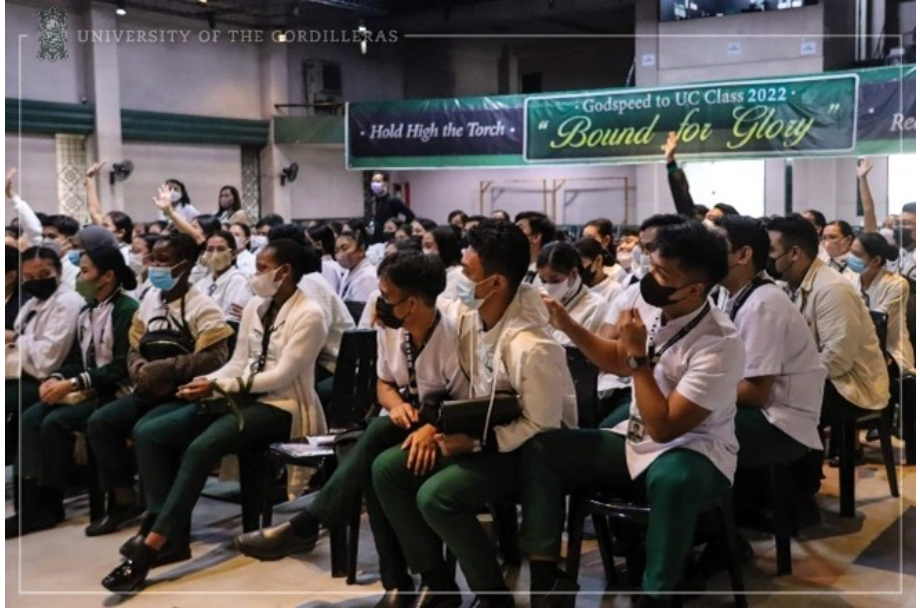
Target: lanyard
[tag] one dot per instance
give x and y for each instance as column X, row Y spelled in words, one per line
column 412, row 356
column 654, row 356
column 268, row 328
column 756, row 283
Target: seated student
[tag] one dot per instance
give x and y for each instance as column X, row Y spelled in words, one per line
column 58, row 231
column 837, row 239
column 779, row 399
column 420, row 226
column 139, row 260
column 686, row 361
column 172, row 303
column 885, row 292
column 857, row 378
column 13, row 288
column 245, row 259
column 323, row 239
column 95, row 374
column 444, row 242
column 818, row 221
column 625, row 249
column 43, row 333
column 267, row 387
column 226, row 284
column 360, row 278
column 540, row 231
column 417, row 363
column 905, row 234
column 592, row 264
column 504, row 345
column 558, row 267
column 601, row 230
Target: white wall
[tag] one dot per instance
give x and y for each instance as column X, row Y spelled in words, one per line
column 203, row 169
column 829, row 185
column 375, row 76
column 36, row 180
column 324, row 188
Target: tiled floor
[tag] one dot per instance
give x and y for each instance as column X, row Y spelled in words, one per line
column 842, row 563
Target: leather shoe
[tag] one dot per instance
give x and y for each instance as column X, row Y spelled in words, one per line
column 274, row 543
column 112, row 522
column 562, row 594
column 394, row 598
column 173, row 551
column 425, row 598
column 130, row 575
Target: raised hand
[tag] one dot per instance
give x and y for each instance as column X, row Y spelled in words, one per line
column 670, row 147
column 863, row 169
column 163, row 199
column 10, row 192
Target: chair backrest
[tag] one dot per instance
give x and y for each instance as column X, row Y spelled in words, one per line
column 354, row 387
column 584, row 374
column 880, row 321
column 356, row 309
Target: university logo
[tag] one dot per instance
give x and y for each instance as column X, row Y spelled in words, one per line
column 52, row 34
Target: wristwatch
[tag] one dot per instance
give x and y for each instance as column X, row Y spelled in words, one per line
column 636, row 362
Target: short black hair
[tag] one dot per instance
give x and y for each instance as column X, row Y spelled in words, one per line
column 41, row 252
column 65, row 225
column 795, row 230
column 448, row 242
column 876, row 245
column 324, row 236
column 159, row 223
column 589, row 248
column 12, row 258
column 459, row 213
column 697, row 250
column 909, row 208
column 427, row 223
column 270, row 220
column 150, row 239
column 846, row 229
column 475, row 218
column 312, row 261
column 559, row 256
column 746, row 231
column 540, row 224
column 820, row 219
column 414, row 273
column 381, row 173
column 661, row 220
column 604, row 226
column 360, row 237
column 185, row 246
column 123, row 223
column 502, row 248
column 289, row 252
column 726, row 209
column 504, row 214
column 700, row 210
column 227, row 236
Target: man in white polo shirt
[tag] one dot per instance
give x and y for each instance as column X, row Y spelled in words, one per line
column 686, row 361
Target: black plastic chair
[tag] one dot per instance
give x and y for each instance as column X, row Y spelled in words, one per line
column 356, row 309
column 603, row 507
column 584, row 375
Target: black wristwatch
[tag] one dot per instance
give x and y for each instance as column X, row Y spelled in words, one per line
column 636, row 362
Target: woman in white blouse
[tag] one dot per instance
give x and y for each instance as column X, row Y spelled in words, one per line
column 230, row 206
column 360, row 278
column 264, row 394
column 559, row 267
column 245, row 259
column 594, row 273
column 227, row 285
column 444, row 242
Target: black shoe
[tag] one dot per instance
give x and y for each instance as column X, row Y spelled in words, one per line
column 425, row 598
column 173, row 551
column 714, row 559
column 117, row 516
column 131, row 574
column 497, row 600
column 274, row 543
column 394, row 598
column 561, row 595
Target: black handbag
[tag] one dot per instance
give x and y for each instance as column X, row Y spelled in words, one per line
column 175, row 339
column 469, row 416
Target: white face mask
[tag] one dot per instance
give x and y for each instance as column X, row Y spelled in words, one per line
column 642, row 262
column 430, row 251
column 241, row 242
column 625, row 259
column 264, row 284
column 258, row 242
column 136, row 262
column 564, row 290
column 175, row 196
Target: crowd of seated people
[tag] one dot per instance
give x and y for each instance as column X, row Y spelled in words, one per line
column 724, row 344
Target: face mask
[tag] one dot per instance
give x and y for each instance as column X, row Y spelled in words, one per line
column 642, row 262
column 86, row 288
column 225, row 202
column 772, row 269
column 856, row 264
column 74, row 257
column 386, row 316
column 218, row 261
column 388, row 235
column 625, row 259
column 51, row 244
column 175, row 196
column 162, row 278
column 265, row 285
column 41, row 289
column 241, row 243
column 430, row 251
column 377, row 188
column 258, row 242
column 586, row 274
column 466, row 292
column 562, row 291
column 655, row 294
column 136, row 262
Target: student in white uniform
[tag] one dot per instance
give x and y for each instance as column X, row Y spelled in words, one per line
column 57, row 232
column 406, row 379
column 245, row 259
column 225, row 283
column 779, row 400
column 558, row 266
column 857, row 377
column 885, row 292
column 116, row 222
column 540, row 231
column 625, row 249
column 322, row 237
column 592, row 270
column 360, row 278
column 444, row 242
column 230, row 206
column 601, row 231
column 505, row 344
column 182, row 204
column 686, row 361
column 837, row 239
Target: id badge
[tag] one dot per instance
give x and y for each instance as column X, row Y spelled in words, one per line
column 635, row 432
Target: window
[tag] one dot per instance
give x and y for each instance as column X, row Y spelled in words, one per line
column 738, row 183
column 902, row 182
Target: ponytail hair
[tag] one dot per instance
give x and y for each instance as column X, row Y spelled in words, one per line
column 875, row 244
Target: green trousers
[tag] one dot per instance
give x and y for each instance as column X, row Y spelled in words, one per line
column 619, row 414
column 177, row 446
column 48, row 439
column 441, row 507
column 20, row 395
column 352, row 477
column 677, row 485
column 761, row 443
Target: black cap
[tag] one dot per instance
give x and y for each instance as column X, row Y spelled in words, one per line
column 108, row 258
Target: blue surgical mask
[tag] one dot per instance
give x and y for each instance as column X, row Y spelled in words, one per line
column 162, row 278
column 466, row 292
column 856, row 264
column 74, row 257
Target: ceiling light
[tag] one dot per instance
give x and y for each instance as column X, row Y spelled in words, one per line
column 122, row 8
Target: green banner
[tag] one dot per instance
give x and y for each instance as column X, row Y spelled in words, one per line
column 774, row 117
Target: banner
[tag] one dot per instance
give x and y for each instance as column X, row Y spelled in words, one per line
column 862, row 112
column 782, row 117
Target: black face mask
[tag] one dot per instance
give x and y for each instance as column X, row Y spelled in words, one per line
column 385, row 314
column 388, row 235
column 771, row 269
column 41, row 289
column 587, row 275
column 655, row 294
